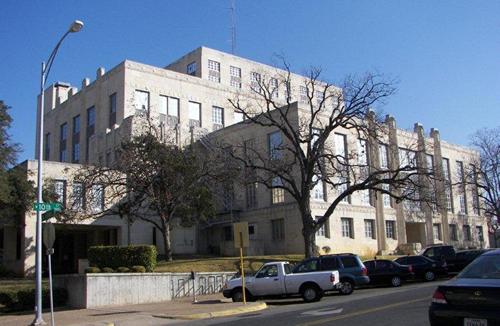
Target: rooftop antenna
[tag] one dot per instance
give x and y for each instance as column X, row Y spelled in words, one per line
column 233, row 26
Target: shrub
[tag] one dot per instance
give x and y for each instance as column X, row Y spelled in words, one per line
column 89, row 270
column 5, row 272
column 138, row 269
column 24, row 299
column 118, row 256
column 123, row 270
column 107, row 270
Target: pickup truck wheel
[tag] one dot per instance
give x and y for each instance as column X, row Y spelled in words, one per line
column 396, row 281
column 429, row 276
column 237, row 296
column 346, row 287
column 311, row 293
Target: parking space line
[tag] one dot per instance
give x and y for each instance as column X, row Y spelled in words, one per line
column 362, row 312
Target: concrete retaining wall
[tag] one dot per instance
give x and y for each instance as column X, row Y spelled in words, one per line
column 97, row 290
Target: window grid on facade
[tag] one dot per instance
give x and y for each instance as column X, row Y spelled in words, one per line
column 278, row 229
column 251, row 195
column 340, row 142
column 63, row 138
column 112, row 110
column 369, row 229
column 214, row 71
column 479, row 233
column 194, row 114
column 302, row 94
column 462, row 200
column 96, row 198
column 90, row 130
column 141, row 101
column 390, row 229
column 191, row 68
column 60, row 191
column 217, row 117
column 273, row 84
column 475, row 190
column 453, row 232
column 383, row 156
column 447, row 181
column 347, row 227
column 318, row 191
column 386, row 199
column 319, row 97
column 277, row 194
column 255, row 82
column 467, row 233
column 436, row 231
column 323, row 231
column 77, row 195
column 275, row 143
column 235, row 76
column 75, row 150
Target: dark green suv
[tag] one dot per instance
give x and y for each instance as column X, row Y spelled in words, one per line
column 352, row 272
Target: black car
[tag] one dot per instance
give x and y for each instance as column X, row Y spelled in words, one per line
column 464, row 258
column 472, row 298
column 382, row 271
column 423, row 267
column 351, row 270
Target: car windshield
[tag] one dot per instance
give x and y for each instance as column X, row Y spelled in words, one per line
column 487, row 267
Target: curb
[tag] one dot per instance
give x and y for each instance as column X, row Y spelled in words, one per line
column 223, row 313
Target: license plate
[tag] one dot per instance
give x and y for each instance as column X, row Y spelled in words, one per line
column 475, row 322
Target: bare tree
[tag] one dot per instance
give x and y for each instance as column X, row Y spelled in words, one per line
column 303, row 159
column 484, row 177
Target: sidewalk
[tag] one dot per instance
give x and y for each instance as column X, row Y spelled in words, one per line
column 208, row 306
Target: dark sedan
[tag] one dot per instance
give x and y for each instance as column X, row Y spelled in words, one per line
column 472, row 298
column 423, row 267
column 382, row 271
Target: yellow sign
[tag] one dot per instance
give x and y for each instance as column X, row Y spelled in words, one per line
column 240, row 234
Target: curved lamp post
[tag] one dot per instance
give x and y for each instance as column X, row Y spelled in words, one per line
column 75, row 27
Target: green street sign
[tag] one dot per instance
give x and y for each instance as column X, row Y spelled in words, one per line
column 47, row 207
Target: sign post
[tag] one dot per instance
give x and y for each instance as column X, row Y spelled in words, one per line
column 49, row 236
column 241, row 240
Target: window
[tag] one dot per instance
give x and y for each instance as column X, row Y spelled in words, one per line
column 278, row 229
column 436, row 231
column 90, row 129
column 141, row 101
column 324, row 230
column 318, row 191
column 430, row 162
column 194, row 114
column 347, row 228
column 390, row 229
column 96, row 198
column 238, row 117
column 383, row 156
column 453, row 232
column 235, row 76
column 173, row 110
column 447, row 190
column 303, row 94
column 228, row 233
column 369, row 229
column 308, row 266
column 63, row 137
column 75, row 150
column 191, row 68
column 274, row 88
column 60, row 191
column 255, row 82
column 47, row 146
column 163, row 105
column 268, row 271
column 462, row 200
column 341, row 151
column 214, row 71
column 277, row 194
column 252, row 231
column 275, row 144
column 475, row 190
column 112, row 110
column 251, row 196
column 217, row 117
column 480, row 234
column 407, row 159
column 288, row 92
column 329, row 263
column 467, row 234
column 319, row 97
column 385, row 197
column 349, row 261
column 77, row 196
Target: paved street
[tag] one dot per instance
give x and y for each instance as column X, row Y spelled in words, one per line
column 406, row 305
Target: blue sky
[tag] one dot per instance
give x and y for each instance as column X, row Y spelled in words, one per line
column 446, row 54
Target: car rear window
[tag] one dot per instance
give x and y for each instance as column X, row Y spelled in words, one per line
column 329, row 263
column 402, row 260
column 415, row 260
column 487, row 267
column 307, row 266
column 349, row 262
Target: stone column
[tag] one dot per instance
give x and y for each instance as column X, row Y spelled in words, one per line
column 440, row 185
column 394, row 164
column 424, row 183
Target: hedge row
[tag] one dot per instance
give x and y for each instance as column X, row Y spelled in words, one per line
column 123, row 256
column 133, row 269
column 24, row 299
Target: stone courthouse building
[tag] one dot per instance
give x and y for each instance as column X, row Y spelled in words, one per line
column 190, row 100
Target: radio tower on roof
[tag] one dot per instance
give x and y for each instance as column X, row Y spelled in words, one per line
column 233, row 26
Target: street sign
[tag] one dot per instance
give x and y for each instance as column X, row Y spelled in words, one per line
column 46, row 207
column 49, row 235
column 240, row 234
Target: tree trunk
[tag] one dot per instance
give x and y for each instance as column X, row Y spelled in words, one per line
column 166, row 240
column 309, row 240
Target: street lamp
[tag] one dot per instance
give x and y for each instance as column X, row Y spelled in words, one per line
column 75, row 27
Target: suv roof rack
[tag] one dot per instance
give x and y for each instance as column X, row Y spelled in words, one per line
column 340, row 254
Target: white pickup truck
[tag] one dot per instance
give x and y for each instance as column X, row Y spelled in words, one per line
column 276, row 279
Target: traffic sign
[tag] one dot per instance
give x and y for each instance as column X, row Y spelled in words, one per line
column 240, row 234
column 46, row 207
column 48, row 235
